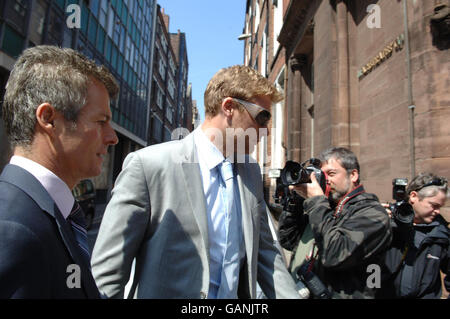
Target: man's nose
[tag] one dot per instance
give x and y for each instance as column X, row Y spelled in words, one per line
column 111, row 136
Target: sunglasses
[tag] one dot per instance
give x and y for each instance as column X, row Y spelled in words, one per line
column 434, row 182
column 259, row 114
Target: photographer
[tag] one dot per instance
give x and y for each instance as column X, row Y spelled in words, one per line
column 350, row 228
column 419, row 250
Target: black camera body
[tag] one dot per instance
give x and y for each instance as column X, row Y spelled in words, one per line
column 295, row 173
column 402, row 211
column 315, row 286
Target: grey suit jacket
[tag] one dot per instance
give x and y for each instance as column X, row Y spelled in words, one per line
column 157, row 214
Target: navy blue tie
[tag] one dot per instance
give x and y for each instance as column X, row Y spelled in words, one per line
column 78, row 223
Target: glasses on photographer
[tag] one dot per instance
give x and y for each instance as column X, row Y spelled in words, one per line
column 259, row 114
column 434, row 182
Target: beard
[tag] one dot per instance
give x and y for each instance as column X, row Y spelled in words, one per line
column 337, row 194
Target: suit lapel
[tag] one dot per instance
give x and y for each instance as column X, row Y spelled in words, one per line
column 74, row 250
column 193, row 186
column 248, row 201
column 29, row 184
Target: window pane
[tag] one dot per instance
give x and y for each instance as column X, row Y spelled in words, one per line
column 124, row 15
column 12, row 42
column 110, row 23
column 120, row 64
column 92, row 35
column 84, row 18
column 103, row 13
column 125, row 71
column 60, row 3
column 108, row 49
column 114, row 57
column 119, row 7
column 94, row 7
column 37, row 21
column 101, row 39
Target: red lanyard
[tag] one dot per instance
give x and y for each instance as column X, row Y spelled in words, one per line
column 340, row 206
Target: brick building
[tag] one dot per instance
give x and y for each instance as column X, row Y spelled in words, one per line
column 372, row 76
column 184, row 105
column 164, row 89
column 170, row 104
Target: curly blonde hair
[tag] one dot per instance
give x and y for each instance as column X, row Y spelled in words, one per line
column 238, row 81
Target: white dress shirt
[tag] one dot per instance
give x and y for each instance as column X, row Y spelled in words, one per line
column 58, row 190
column 224, row 274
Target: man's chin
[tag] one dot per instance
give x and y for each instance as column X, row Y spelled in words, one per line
column 336, row 196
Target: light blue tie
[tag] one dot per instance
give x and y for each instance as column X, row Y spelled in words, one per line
column 226, row 170
column 229, row 274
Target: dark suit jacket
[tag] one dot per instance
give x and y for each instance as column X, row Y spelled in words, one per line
column 36, row 243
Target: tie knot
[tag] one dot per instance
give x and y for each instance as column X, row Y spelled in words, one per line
column 226, row 169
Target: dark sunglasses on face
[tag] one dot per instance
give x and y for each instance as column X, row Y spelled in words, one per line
column 259, row 114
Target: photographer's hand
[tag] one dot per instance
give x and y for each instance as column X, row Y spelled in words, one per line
column 308, row 190
column 386, row 206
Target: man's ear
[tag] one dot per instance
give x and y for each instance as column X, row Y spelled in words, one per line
column 413, row 197
column 354, row 176
column 45, row 116
column 228, row 106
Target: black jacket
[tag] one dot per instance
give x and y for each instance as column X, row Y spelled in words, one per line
column 347, row 243
column 413, row 263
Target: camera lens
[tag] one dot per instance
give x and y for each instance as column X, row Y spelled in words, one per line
column 404, row 213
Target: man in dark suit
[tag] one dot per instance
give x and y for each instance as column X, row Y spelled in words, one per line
column 57, row 117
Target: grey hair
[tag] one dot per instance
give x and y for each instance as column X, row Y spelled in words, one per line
column 345, row 157
column 423, row 178
column 49, row 74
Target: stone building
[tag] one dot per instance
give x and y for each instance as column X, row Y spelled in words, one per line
column 372, row 76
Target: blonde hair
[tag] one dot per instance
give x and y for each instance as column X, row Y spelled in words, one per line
column 238, row 81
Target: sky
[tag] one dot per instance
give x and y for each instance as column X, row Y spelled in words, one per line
column 212, row 28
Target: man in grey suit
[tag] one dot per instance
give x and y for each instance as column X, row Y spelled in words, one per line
column 196, row 228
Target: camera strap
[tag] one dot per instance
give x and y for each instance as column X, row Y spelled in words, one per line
column 312, row 257
column 353, row 193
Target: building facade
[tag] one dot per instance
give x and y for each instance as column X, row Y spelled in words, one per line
column 116, row 33
column 372, row 76
column 184, row 105
column 164, row 92
column 170, row 72
column 262, row 51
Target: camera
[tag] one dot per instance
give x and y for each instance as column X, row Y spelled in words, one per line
column 315, row 286
column 402, row 211
column 295, row 173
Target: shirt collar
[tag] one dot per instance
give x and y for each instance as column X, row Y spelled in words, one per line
column 57, row 189
column 209, row 153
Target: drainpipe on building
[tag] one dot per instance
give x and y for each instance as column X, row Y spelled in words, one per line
column 285, row 143
column 341, row 119
column 411, row 106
